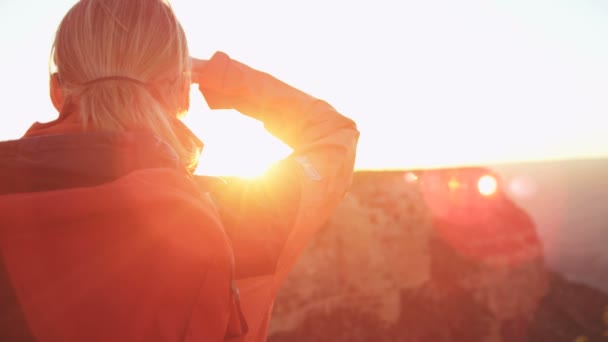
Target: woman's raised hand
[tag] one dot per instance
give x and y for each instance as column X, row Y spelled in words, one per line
column 196, row 67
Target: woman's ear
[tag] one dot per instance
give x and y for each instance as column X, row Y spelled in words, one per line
column 55, row 91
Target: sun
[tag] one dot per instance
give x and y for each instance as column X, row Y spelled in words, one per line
column 235, row 145
column 250, row 158
column 229, row 161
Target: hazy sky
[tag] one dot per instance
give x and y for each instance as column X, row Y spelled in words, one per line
column 434, row 82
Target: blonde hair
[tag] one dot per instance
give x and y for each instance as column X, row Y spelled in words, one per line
column 124, row 64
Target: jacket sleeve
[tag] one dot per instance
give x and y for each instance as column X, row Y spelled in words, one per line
column 271, row 219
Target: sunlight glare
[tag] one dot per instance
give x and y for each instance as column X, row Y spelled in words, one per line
column 235, row 145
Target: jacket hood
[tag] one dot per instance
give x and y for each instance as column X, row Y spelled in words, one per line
column 52, row 162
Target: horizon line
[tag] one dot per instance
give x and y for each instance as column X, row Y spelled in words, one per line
column 482, row 165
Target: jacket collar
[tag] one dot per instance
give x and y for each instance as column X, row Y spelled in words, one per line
column 52, row 162
column 69, row 122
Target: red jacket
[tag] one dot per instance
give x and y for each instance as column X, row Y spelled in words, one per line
column 100, row 244
column 104, row 238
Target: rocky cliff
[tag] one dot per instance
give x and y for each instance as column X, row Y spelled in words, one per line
column 423, row 256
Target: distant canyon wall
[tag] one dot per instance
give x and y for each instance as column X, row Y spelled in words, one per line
column 406, row 259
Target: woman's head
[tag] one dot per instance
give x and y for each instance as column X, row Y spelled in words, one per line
column 124, row 65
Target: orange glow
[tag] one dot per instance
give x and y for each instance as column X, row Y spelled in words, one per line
column 487, row 185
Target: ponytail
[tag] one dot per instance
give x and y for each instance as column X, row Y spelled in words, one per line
column 123, row 66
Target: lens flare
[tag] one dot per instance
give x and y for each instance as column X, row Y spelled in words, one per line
column 487, row 185
column 411, row 177
column 453, row 184
column 522, row 187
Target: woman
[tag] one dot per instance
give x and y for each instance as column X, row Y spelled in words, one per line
column 107, row 235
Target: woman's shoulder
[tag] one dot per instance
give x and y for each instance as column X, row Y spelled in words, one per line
column 64, row 161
